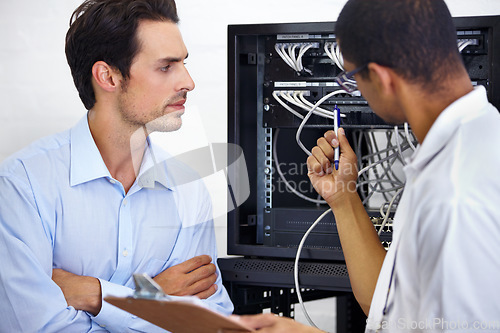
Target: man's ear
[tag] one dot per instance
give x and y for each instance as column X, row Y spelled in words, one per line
column 384, row 78
column 105, row 76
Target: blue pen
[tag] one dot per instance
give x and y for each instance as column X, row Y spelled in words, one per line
column 336, row 123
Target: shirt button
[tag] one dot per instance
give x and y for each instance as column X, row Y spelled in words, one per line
column 125, row 202
column 125, row 253
column 112, row 181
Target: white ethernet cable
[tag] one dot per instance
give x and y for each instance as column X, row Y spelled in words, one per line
column 332, row 50
column 303, row 50
column 292, row 97
column 400, row 152
column 296, row 97
column 408, row 137
column 286, row 106
column 382, row 160
column 283, row 55
column 295, row 62
column 386, row 214
column 306, row 118
column 291, row 55
column 296, row 265
column 375, row 152
column 327, row 113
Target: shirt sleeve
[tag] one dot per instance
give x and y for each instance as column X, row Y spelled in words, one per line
column 30, row 300
column 113, row 319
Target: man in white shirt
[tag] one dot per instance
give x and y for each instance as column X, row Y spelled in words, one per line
column 442, row 270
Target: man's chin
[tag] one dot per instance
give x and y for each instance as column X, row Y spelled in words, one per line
column 167, row 123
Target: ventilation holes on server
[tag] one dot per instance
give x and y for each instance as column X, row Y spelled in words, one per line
column 287, row 267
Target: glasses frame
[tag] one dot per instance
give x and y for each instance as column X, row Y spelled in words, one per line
column 345, row 80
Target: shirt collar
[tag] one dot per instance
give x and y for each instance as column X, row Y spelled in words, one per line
column 152, row 169
column 87, row 163
column 446, row 125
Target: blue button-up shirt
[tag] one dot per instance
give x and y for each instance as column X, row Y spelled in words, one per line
column 60, row 208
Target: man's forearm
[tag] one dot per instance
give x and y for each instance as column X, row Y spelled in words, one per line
column 363, row 251
column 81, row 292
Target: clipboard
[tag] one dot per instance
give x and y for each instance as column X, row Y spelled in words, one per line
column 176, row 316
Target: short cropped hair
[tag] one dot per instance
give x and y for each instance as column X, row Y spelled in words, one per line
column 415, row 38
column 105, row 30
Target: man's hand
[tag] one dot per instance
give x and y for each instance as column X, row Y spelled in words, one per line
column 81, row 292
column 194, row 277
column 326, row 180
column 270, row 323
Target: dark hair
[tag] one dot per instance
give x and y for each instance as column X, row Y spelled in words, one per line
column 105, row 30
column 416, row 38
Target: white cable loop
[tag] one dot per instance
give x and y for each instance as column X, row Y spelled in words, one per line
column 282, row 176
column 306, row 118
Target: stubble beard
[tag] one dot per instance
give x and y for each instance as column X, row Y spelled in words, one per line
column 156, row 121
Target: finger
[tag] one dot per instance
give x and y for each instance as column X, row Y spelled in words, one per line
column 331, row 138
column 326, row 147
column 340, row 140
column 202, row 284
column 193, row 263
column 207, row 292
column 322, row 159
column 314, row 167
column 202, row 273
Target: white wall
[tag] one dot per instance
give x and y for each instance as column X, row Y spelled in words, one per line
column 36, row 89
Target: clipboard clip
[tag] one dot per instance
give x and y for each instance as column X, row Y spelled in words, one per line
column 146, row 287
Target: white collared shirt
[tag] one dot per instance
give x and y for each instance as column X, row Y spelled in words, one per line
column 445, row 255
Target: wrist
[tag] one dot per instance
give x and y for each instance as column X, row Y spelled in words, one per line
column 344, row 198
column 93, row 301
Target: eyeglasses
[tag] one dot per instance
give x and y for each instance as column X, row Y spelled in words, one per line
column 346, row 81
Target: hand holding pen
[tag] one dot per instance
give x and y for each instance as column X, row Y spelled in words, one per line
column 332, row 166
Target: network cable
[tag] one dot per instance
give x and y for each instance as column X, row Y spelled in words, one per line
column 306, row 118
column 407, row 132
column 332, row 50
column 289, row 57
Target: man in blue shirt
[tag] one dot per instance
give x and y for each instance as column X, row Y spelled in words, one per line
column 83, row 210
